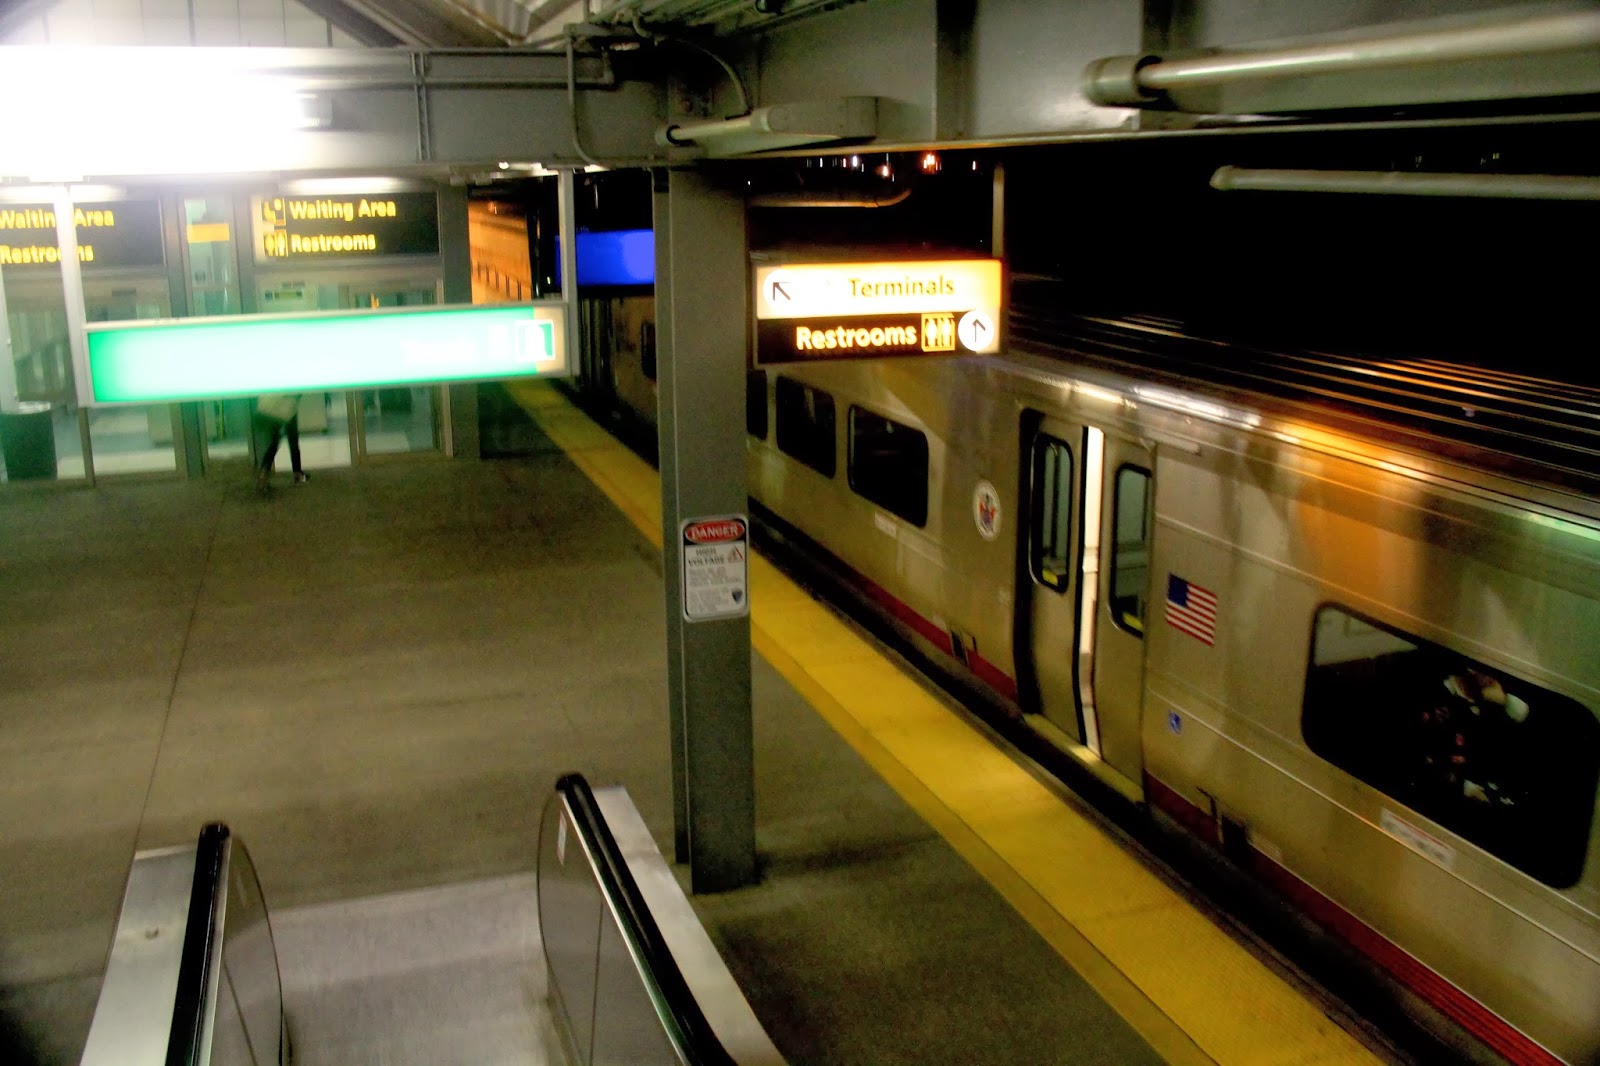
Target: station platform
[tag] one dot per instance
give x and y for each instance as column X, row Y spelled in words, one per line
column 376, row 677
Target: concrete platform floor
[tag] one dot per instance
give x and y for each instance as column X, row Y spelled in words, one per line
column 375, row 678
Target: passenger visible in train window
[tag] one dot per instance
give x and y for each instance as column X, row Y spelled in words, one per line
column 1497, row 715
column 1474, row 743
column 278, row 414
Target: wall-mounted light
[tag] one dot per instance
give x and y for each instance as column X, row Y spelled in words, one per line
column 779, row 126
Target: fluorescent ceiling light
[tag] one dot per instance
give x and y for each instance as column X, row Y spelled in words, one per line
column 46, row 193
column 112, row 111
column 373, row 186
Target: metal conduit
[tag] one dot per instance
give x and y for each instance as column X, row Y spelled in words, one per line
column 1385, row 183
column 691, row 132
column 1139, row 81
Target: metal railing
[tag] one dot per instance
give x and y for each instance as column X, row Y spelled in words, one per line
column 193, row 975
column 619, row 940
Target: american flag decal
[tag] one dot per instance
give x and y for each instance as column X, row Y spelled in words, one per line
column 1192, row 609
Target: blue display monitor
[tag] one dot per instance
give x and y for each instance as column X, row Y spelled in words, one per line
column 615, row 257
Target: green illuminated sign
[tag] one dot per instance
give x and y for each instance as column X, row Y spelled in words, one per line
column 245, row 355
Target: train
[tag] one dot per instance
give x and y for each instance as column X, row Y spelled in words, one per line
column 1335, row 618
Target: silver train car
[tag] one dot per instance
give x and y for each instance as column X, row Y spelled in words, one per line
column 1341, row 621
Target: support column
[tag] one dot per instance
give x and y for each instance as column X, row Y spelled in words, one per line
column 77, row 319
column 702, row 337
column 8, row 365
column 188, row 432
column 567, row 259
column 462, row 439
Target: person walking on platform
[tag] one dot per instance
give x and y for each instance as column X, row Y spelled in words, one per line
column 278, row 415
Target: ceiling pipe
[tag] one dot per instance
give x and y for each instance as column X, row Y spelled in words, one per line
column 826, row 199
column 1407, row 183
column 1144, row 81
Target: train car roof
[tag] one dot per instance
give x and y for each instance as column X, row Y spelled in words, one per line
column 1524, row 428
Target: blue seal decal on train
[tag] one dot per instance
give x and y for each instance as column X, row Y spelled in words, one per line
column 986, row 510
column 1175, row 721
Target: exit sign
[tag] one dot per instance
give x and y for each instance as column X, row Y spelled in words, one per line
column 245, row 355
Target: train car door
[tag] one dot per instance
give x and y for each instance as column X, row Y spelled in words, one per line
column 1052, row 449
column 1126, row 505
column 1090, row 499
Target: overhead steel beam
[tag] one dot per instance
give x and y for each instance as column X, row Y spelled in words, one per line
column 949, row 70
column 347, row 19
column 378, row 111
column 430, row 23
column 539, row 13
column 989, row 72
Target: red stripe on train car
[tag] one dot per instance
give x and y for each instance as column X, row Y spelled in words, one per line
column 992, row 675
column 939, row 637
column 1488, row 1027
column 933, row 634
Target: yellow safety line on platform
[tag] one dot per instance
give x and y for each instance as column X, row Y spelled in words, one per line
column 1191, row 991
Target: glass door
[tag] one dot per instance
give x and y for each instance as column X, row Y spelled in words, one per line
column 41, row 438
column 340, row 427
column 403, row 419
column 122, row 440
column 326, row 440
column 225, row 425
column 126, row 440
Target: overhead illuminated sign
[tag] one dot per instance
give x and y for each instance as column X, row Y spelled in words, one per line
column 300, row 228
column 245, row 355
column 867, row 310
column 122, row 234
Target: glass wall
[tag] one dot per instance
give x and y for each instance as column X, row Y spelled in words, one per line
column 123, row 440
column 122, row 255
column 127, row 440
column 217, row 268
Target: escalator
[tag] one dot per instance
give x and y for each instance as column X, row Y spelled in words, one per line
column 622, row 971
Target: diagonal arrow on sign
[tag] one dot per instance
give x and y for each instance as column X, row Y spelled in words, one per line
column 778, row 290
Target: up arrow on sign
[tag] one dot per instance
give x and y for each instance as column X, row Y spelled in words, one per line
column 974, row 329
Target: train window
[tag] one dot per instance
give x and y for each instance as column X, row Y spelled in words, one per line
column 806, row 425
column 1508, row 765
column 1130, row 548
column 889, row 465
column 1052, row 513
column 755, row 403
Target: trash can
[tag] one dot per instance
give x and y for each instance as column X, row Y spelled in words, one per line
column 28, row 442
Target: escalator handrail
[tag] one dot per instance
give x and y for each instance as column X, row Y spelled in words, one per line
column 675, row 1002
column 191, row 1005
